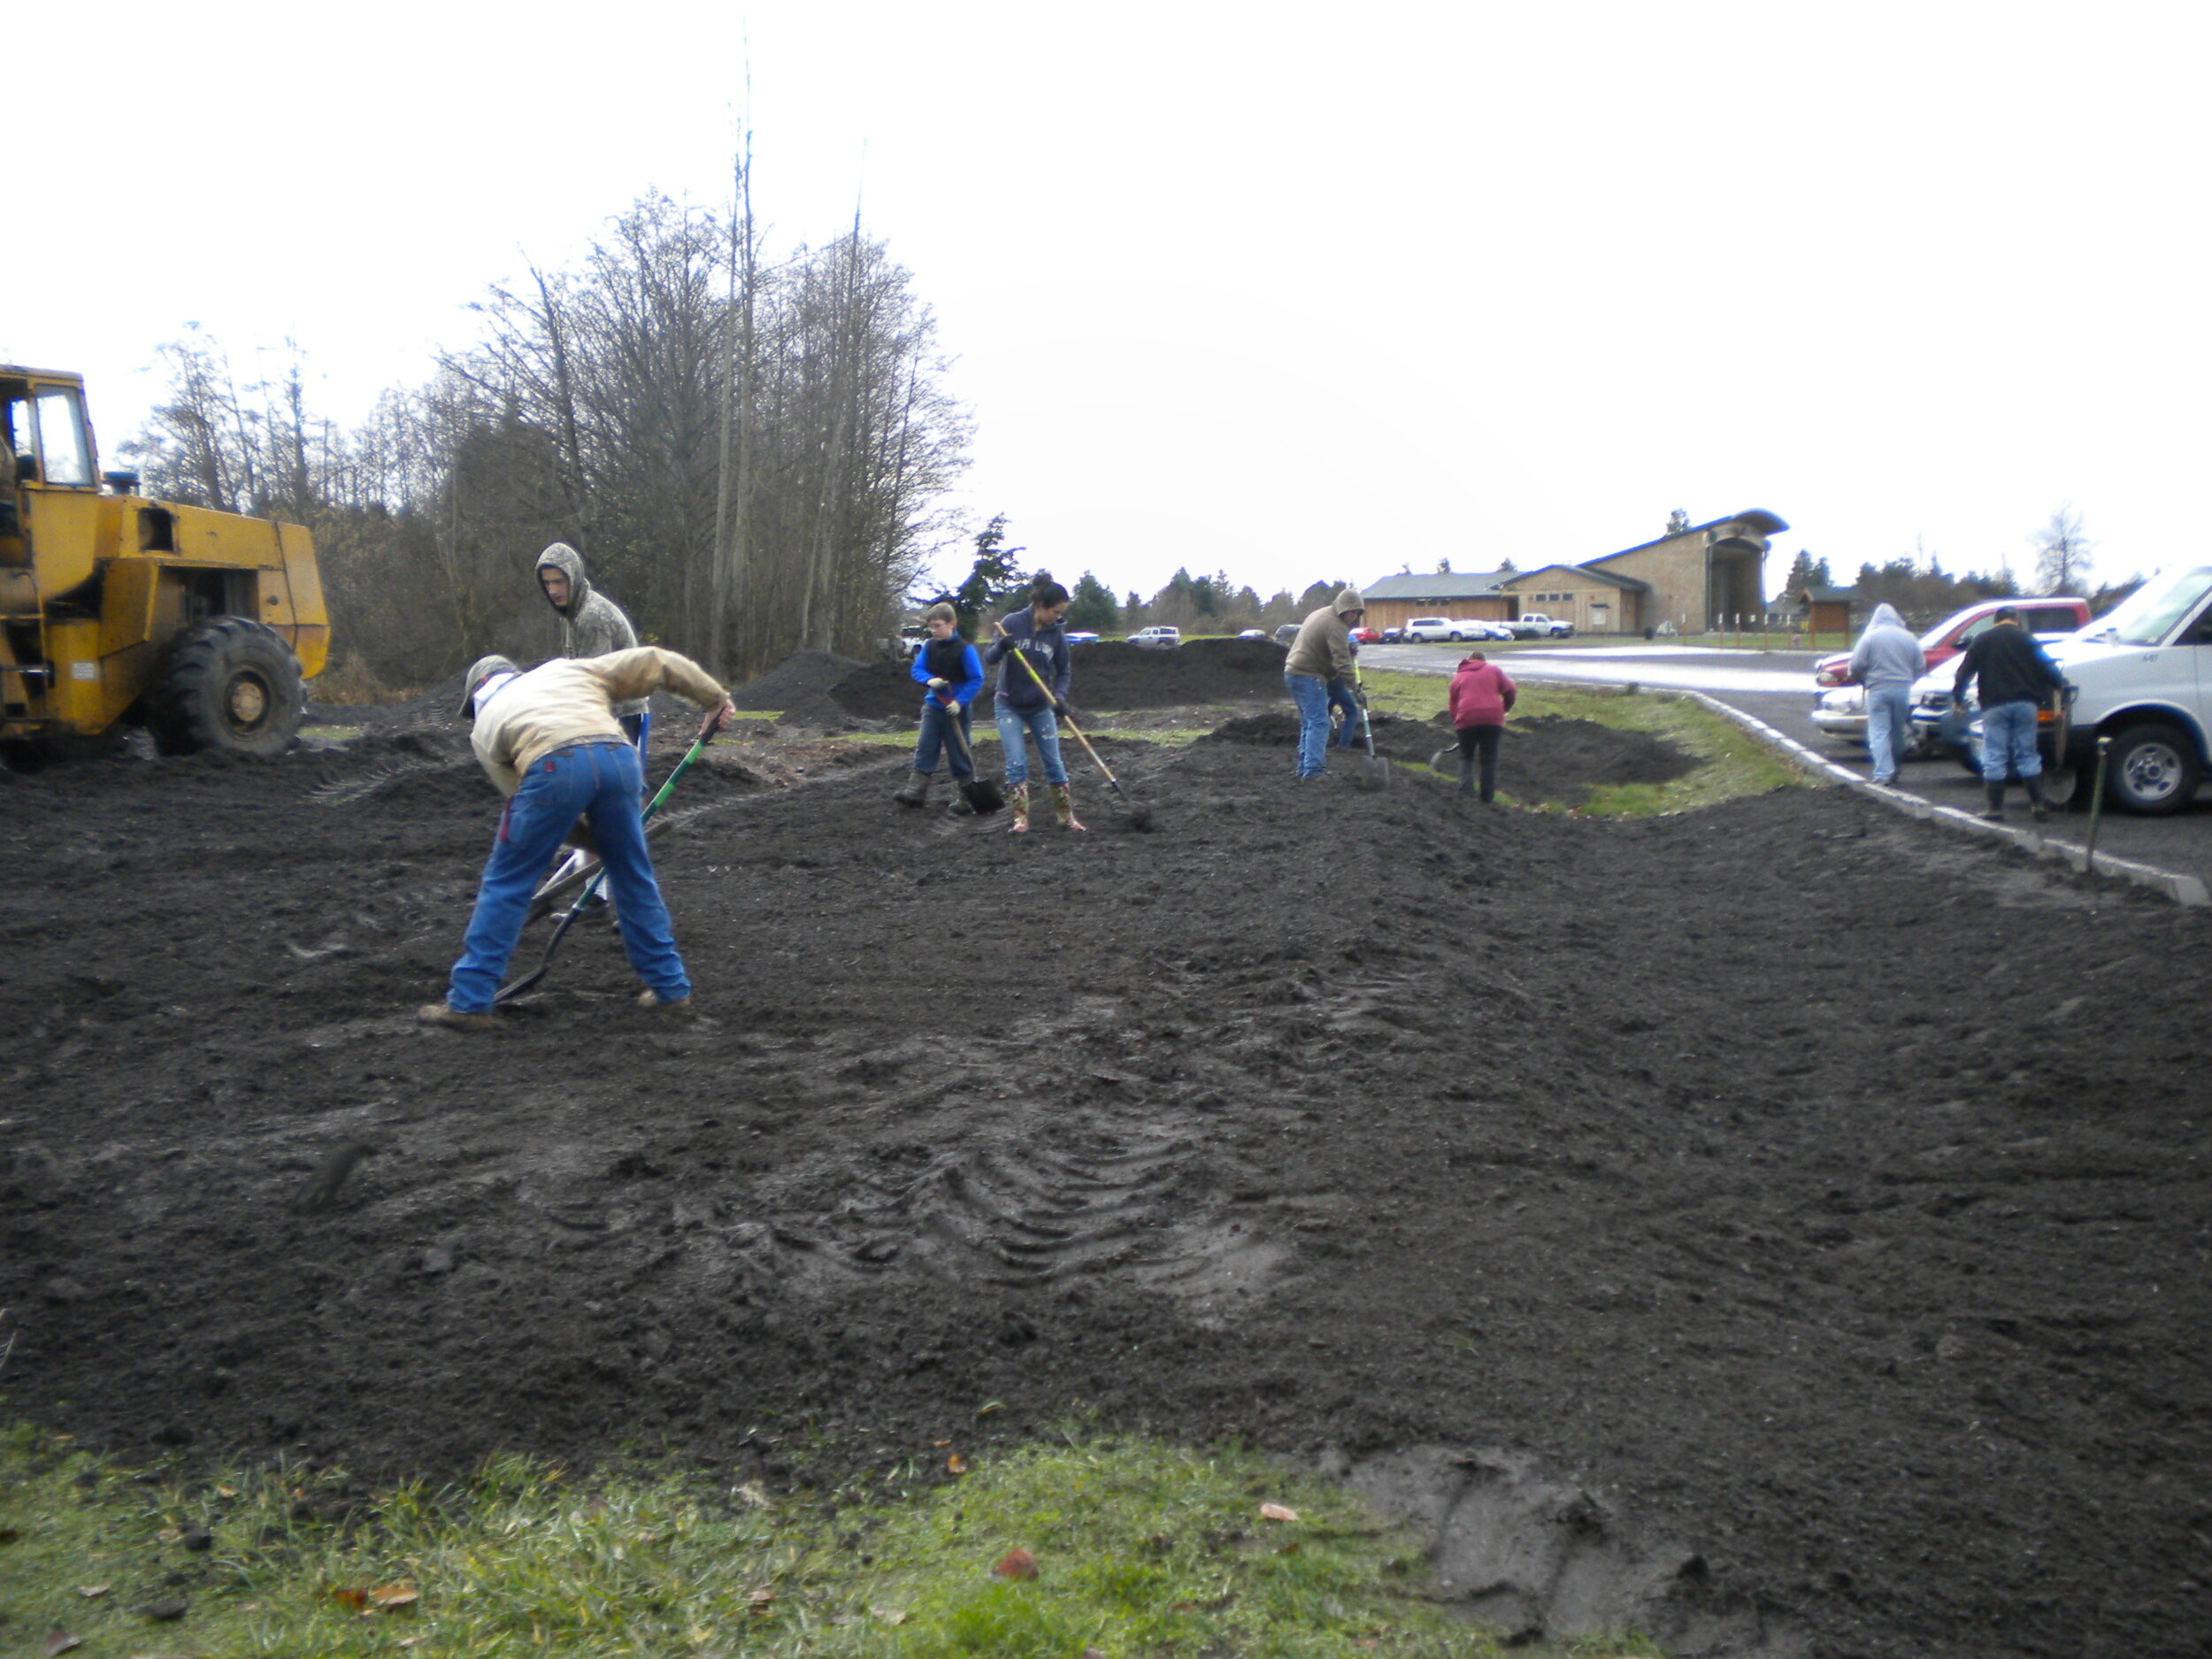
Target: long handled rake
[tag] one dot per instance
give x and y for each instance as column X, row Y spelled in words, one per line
column 508, row 993
column 1138, row 815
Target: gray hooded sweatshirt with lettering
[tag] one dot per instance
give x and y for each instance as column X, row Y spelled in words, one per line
column 592, row 625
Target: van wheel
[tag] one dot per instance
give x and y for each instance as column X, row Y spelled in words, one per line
column 2153, row 771
column 231, row 685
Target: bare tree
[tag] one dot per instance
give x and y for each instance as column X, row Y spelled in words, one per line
column 2062, row 553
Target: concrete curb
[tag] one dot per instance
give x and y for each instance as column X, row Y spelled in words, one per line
column 2182, row 890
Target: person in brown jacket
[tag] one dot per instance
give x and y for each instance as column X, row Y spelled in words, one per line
column 550, row 742
column 1321, row 653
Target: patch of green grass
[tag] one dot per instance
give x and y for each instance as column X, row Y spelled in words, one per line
column 1733, row 762
column 1140, row 1548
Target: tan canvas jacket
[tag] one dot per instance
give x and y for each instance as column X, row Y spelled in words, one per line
column 573, row 700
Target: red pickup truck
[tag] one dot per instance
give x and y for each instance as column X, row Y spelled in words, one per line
column 2052, row 613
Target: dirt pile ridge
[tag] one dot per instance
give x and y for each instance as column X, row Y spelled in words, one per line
column 1787, row 1174
column 1105, row 677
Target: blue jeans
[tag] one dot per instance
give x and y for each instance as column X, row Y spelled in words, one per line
column 936, row 735
column 1340, row 697
column 599, row 782
column 1039, row 724
column 2008, row 741
column 1888, row 728
column 1310, row 693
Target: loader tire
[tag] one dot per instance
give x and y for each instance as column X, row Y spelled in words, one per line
column 230, row 685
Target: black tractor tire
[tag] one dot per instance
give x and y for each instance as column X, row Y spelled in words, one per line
column 2153, row 771
column 230, row 685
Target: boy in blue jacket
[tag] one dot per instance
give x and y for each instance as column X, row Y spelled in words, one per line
column 1033, row 633
column 951, row 674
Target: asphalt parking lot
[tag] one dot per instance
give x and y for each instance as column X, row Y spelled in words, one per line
column 1777, row 688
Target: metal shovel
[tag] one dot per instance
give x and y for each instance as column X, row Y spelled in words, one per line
column 981, row 794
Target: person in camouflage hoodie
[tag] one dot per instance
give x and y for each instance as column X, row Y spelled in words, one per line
column 592, row 625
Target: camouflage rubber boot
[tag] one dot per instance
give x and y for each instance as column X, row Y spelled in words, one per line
column 1017, row 801
column 1064, row 807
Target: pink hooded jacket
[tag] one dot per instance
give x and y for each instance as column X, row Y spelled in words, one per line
column 1481, row 694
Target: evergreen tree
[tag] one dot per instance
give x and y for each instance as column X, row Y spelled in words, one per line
column 1091, row 609
column 994, row 583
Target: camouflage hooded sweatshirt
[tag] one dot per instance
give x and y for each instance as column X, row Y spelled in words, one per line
column 592, row 625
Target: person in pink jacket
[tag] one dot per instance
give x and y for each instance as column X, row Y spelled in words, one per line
column 1481, row 695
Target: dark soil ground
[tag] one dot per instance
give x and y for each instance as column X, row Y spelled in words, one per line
column 1788, row 1175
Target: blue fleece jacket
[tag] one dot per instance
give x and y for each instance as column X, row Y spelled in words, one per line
column 1046, row 650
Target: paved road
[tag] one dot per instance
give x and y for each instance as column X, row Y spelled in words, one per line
column 1776, row 686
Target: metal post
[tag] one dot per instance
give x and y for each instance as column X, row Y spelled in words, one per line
column 2096, row 805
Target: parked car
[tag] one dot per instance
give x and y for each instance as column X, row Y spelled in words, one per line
column 1287, row 635
column 1437, row 630
column 2053, row 614
column 1082, row 638
column 1839, row 702
column 1366, row 636
column 1394, row 637
column 1253, row 633
column 1157, row 638
column 2142, row 676
column 1536, row 625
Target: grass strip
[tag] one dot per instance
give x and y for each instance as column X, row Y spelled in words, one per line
column 1732, row 763
column 1136, row 1547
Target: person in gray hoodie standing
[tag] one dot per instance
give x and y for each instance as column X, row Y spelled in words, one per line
column 1886, row 661
column 592, row 625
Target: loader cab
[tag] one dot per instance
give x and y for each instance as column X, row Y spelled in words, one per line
column 49, row 439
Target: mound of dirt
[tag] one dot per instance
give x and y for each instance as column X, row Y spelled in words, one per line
column 1550, row 758
column 1105, row 677
column 799, row 678
column 1350, row 1123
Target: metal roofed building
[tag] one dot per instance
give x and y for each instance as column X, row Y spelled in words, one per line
column 1695, row 579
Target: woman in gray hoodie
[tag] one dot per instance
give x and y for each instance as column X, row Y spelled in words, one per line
column 1886, row 661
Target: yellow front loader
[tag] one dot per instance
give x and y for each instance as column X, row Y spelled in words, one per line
column 115, row 609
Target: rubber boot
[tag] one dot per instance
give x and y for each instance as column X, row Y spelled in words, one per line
column 2036, row 808
column 1063, row 808
column 1018, row 803
column 1466, row 774
column 916, row 790
column 1995, row 792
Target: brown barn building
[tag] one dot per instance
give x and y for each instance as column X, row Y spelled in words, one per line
column 1394, row 601
column 1693, row 581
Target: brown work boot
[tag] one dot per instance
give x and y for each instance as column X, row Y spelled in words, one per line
column 452, row 1018
column 1063, row 808
column 1019, row 801
column 668, row 1004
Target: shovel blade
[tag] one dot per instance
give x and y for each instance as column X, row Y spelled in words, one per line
column 984, row 796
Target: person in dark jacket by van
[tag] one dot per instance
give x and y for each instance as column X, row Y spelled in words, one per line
column 2015, row 680
column 1033, row 633
column 951, row 675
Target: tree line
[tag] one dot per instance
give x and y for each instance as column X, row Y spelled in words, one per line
column 753, row 455
column 1924, row 593
column 997, row 581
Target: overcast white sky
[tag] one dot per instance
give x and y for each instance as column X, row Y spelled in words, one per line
column 1291, row 291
